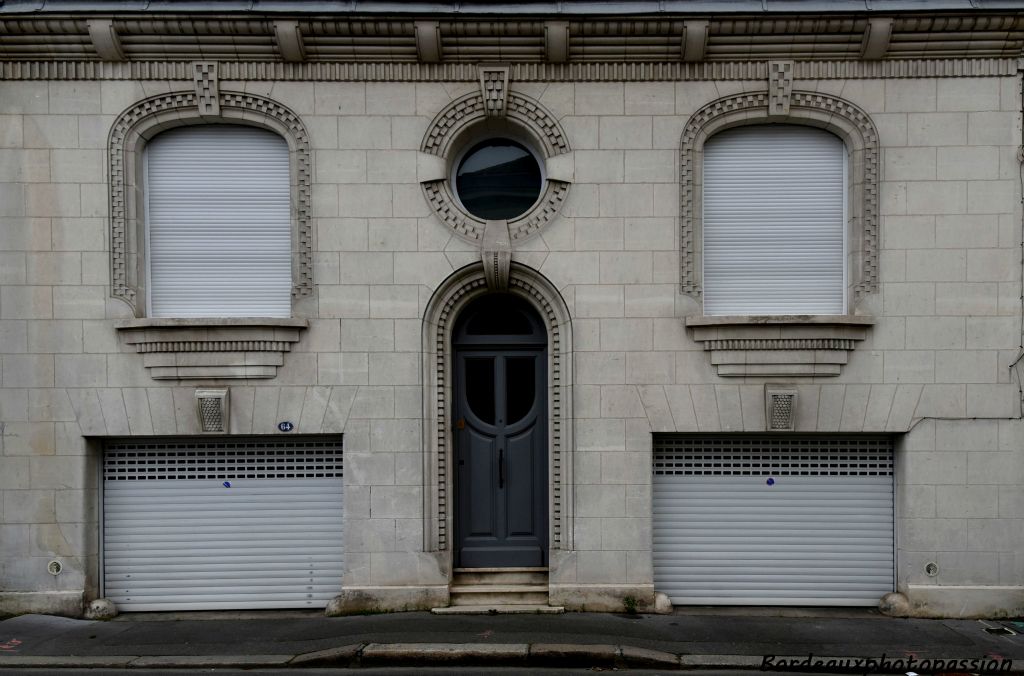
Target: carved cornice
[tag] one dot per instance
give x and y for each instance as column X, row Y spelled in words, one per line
column 673, row 36
column 612, row 71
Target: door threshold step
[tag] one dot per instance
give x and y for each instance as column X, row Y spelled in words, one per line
column 499, row 609
column 521, row 569
column 497, row 588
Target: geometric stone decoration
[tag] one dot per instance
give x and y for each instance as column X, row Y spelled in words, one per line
column 443, row 308
column 780, row 409
column 207, row 97
column 494, row 89
column 212, row 406
column 773, row 347
column 522, row 114
column 780, row 86
column 846, row 120
column 140, row 122
column 176, row 349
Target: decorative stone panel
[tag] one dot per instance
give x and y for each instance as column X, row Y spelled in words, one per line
column 185, row 349
column 136, row 125
column 825, row 111
column 779, row 346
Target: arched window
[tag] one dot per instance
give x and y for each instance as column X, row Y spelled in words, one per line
column 218, row 222
column 774, row 217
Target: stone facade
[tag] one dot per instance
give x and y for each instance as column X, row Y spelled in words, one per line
column 939, row 367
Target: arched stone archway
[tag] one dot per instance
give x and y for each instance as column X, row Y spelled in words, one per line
column 449, row 299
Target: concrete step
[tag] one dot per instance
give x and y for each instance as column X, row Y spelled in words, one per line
column 507, row 598
column 500, row 609
column 467, row 576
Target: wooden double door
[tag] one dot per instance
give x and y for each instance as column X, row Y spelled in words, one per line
column 501, row 435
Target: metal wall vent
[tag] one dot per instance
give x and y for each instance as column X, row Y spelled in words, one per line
column 772, row 455
column 780, row 410
column 240, row 458
column 213, row 410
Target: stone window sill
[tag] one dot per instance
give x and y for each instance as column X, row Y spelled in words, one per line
column 779, row 345
column 211, row 348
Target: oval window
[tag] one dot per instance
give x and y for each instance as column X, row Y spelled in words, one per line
column 498, row 179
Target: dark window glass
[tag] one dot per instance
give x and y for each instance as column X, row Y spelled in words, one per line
column 498, row 179
column 499, row 321
column 519, row 387
column 480, row 387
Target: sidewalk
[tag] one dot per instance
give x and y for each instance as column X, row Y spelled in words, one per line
column 689, row 638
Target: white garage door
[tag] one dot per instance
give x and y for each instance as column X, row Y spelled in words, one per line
column 218, row 524
column 773, row 520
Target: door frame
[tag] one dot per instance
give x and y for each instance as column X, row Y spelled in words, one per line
column 451, row 296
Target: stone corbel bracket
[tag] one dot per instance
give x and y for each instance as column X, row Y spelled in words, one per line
column 496, row 255
column 190, row 349
column 779, row 347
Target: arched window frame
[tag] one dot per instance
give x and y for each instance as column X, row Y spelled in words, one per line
column 129, row 135
column 838, row 116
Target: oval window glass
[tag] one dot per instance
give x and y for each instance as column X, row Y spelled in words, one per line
column 498, row 179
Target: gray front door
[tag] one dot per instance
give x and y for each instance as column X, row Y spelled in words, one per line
column 501, row 435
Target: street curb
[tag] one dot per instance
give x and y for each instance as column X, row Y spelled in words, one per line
column 342, row 656
column 418, row 654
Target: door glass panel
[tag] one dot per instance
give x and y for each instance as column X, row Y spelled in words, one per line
column 499, row 321
column 480, row 387
column 519, row 387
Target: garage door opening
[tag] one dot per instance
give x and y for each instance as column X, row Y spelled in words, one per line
column 773, row 520
column 202, row 524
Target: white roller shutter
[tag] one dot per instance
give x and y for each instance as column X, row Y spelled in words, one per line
column 235, row 524
column 774, row 221
column 218, row 220
column 773, row 520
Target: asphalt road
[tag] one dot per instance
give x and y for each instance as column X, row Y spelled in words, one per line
column 390, row 671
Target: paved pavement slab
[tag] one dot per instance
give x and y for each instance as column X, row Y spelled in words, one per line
column 739, row 639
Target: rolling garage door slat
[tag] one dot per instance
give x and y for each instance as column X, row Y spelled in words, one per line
column 820, row 533
column 239, row 524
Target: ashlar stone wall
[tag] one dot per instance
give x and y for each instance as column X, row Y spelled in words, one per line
column 935, row 367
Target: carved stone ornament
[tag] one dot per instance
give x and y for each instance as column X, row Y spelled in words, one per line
column 207, row 88
column 773, row 347
column 494, row 89
column 140, row 122
column 440, row 141
column 780, row 87
column 496, row 255
column 187, row 349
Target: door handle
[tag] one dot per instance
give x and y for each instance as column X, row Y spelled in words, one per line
column 501, row 468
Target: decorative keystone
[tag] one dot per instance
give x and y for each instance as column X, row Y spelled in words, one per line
column 494, row 88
